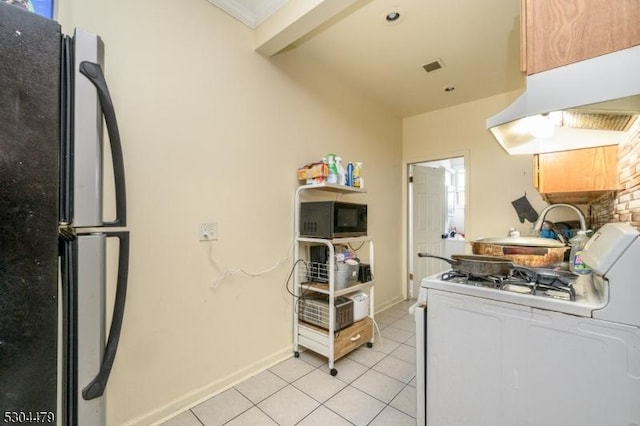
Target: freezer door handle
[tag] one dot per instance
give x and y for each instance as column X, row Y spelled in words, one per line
column 96, row 387
column 94, row 73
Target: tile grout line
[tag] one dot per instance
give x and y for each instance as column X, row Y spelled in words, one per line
column 405, row 384
column 350, row 384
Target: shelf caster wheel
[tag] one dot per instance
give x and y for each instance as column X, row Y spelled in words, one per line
column 369, row 345
column 296, row 354
column 333, row 372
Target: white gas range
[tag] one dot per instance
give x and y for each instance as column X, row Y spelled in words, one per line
column 508, row 350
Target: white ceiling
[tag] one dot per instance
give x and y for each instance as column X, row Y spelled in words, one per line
column 478, row 41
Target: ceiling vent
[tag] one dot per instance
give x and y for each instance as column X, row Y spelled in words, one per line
column 433, row 66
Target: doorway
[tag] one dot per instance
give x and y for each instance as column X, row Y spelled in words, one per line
column 436, row 216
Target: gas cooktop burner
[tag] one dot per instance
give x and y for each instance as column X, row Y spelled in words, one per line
column 493, row 281
column 523, row 281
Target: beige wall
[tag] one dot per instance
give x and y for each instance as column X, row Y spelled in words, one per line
column 214, row 132
column 494, row 177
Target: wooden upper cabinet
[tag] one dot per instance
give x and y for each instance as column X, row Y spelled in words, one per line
column 561, row 32
column 578, row 176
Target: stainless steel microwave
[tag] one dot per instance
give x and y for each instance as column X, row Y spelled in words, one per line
column 332, row 219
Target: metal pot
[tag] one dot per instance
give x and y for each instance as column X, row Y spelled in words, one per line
column 477, row 265
column 531, row 252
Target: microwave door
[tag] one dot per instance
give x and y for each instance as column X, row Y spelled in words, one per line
column 350, row 220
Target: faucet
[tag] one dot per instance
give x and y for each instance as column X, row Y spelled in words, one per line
column 538, row 225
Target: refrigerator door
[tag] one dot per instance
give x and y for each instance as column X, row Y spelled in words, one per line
column 92, row 101
column 93, row 358
column 29, row 149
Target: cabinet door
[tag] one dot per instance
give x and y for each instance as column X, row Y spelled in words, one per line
column 590, row 169
column 472, row 347
column 581, row 371
column 561, row 32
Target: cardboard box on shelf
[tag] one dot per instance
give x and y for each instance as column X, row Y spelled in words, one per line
column 313, row 171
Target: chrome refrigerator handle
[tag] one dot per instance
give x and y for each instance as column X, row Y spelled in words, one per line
column 94, row 73
column 96, row 387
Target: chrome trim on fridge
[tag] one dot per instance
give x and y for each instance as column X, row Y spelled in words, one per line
column 87, row 136
column 90, row 326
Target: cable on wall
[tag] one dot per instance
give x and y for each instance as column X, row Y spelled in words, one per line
column 228, row 272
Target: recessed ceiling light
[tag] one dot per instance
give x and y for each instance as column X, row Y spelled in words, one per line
column 450, row 88
column 392, row 16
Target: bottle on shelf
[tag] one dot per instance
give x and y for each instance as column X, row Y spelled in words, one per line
column 333, row 169
column 342, row 175
column 576, row 265
column 350, row 174
column 357, row 175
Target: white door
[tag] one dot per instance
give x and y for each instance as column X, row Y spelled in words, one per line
column 428, row 222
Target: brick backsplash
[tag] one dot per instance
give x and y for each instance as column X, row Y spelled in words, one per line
column 602, row 211
column 627, row 202
column 625, row 205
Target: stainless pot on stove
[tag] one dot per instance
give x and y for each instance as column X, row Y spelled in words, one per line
column 482, row 266
column 532, row 252
column 502, row 271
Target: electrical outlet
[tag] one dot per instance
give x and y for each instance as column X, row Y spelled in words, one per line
column 208, row 231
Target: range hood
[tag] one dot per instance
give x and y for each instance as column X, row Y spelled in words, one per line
column 590, row 103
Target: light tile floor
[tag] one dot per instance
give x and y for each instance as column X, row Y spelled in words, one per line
column 374, row 386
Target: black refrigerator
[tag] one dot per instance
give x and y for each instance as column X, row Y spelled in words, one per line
column 56, row 350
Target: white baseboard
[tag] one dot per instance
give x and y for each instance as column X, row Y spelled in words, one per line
column 192, row 399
